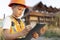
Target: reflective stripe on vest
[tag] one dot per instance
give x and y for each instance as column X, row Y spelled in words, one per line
column 17, row 27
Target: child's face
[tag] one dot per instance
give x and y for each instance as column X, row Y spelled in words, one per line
column 17, row 10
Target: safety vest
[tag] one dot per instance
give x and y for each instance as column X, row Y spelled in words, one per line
column 17, row 27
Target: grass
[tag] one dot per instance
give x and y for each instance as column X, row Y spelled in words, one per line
column 52, row 32
column 1, row 32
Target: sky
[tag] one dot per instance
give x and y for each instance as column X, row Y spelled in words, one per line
column 4, row 9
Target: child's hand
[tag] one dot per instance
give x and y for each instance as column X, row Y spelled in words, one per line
column 28, row 27
column 35, row 35
column 43, row 30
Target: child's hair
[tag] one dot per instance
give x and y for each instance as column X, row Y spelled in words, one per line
column 14, row 4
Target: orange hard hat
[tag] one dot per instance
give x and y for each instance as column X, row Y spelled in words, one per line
column 20, row 2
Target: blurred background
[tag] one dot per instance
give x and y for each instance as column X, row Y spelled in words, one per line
column 42, row 11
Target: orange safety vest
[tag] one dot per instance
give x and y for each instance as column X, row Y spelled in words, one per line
column 17, row 27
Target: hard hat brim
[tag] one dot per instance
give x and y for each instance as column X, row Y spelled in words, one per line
column 10, row 5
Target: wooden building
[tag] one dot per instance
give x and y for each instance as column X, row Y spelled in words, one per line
column 40, row 13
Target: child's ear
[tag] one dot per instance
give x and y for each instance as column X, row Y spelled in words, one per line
column 13, row 7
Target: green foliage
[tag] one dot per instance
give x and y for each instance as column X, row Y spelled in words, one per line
column 52, row 32
column 1, row 34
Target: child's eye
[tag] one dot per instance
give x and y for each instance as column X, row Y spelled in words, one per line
column 19, row 9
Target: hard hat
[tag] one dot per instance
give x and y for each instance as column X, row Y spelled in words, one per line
column 20, row 2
